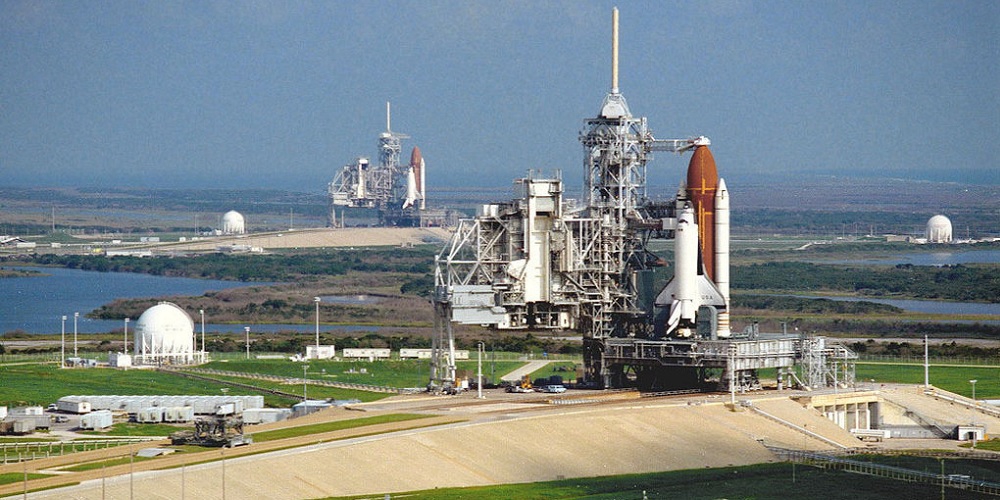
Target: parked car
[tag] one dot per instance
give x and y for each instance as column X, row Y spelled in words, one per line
column 557, row 388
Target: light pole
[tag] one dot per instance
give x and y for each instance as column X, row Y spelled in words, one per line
column 62, row 355
column 125, row 337
column 305, row 398
column 247, row 330
column 479, row 384
column 316, row 300
column 973, row 382
column 202, row 313
column 76, row 316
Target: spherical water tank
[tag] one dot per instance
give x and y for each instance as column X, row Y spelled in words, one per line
column 164, row 329
column 938, row 229
column 233, row 223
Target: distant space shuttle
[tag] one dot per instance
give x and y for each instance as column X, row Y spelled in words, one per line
column 415, row 180
column 698, row 295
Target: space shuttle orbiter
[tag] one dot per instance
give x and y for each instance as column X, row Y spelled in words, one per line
column 415, row 180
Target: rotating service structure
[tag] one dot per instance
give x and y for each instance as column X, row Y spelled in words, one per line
column 542, row 261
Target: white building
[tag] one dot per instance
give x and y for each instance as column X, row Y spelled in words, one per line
column 321, row 352
column 938, row 229
column 164, row 334
column 233, row 223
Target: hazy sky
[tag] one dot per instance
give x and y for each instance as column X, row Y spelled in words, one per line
column 282, row 94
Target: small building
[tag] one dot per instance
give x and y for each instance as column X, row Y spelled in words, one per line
column 71, row 406
column 178, row 414
column 97, row 420
column 366, row 353
column 265, row 415
column 152, row 415
column 120, row 360
column 320, row 352
column 971, row 432
column 309, row 406
column 426, row 354
column 34, row 411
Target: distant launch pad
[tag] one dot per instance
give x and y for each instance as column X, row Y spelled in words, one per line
column 545, row 262
column 397, row 192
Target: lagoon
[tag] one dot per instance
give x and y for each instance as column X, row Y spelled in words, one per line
column 942, row 258
column 36, row 304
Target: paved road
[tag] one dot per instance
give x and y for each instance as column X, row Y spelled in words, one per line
column 527, row 369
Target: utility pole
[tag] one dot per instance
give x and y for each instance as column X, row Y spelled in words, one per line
column 317, row 300
column 76, row 316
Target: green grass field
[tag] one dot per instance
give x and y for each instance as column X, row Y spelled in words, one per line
column 314, row 391
column 950, row 378
column 16, row 477
column 106, row 463
column 302, row 430
column 388, row 373
column 44, row 384
column 765, row 481
column 126, row 429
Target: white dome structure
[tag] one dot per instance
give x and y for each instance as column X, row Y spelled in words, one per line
column 164, row 334
column 233, row 223
column 938, row 229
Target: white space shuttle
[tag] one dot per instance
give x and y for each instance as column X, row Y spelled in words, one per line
column 698, row 295
column 415, row 181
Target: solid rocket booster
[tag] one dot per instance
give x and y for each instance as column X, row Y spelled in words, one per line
column 722, row 253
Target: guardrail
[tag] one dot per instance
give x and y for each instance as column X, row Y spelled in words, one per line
column 31, row 450
column 964, row 401
column 826, row 461
column 797, row 428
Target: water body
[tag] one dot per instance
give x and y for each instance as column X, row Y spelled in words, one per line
column 922, row 306
column 36, row 304
column 930, row 258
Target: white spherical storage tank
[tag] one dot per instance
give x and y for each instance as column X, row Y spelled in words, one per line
column 233, row 223
column 164, row 334
column 938, row 229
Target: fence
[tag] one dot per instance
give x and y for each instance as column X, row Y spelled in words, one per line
column 933, row 360
column 958, row 481
column 31, row 450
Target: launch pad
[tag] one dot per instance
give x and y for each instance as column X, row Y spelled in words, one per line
column 542, row 262
column 396, row 191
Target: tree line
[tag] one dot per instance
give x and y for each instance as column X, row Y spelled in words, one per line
column 974, row 283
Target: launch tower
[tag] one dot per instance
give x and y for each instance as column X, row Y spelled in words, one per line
column 542, row 262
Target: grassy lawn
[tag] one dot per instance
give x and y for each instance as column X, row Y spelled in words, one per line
column 763, row 481
column 991, row 445
column 391, row 373
column 315, row 391
column 388, row 373
column 44, row 384
column 564, row 369
column 492, row 370
column 290, row 432
column 16, row 477
column 132, row 429
column 950, row 378
column 32, row 439
column 105, row 463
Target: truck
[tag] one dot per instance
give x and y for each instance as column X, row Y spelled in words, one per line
column 523, row 386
